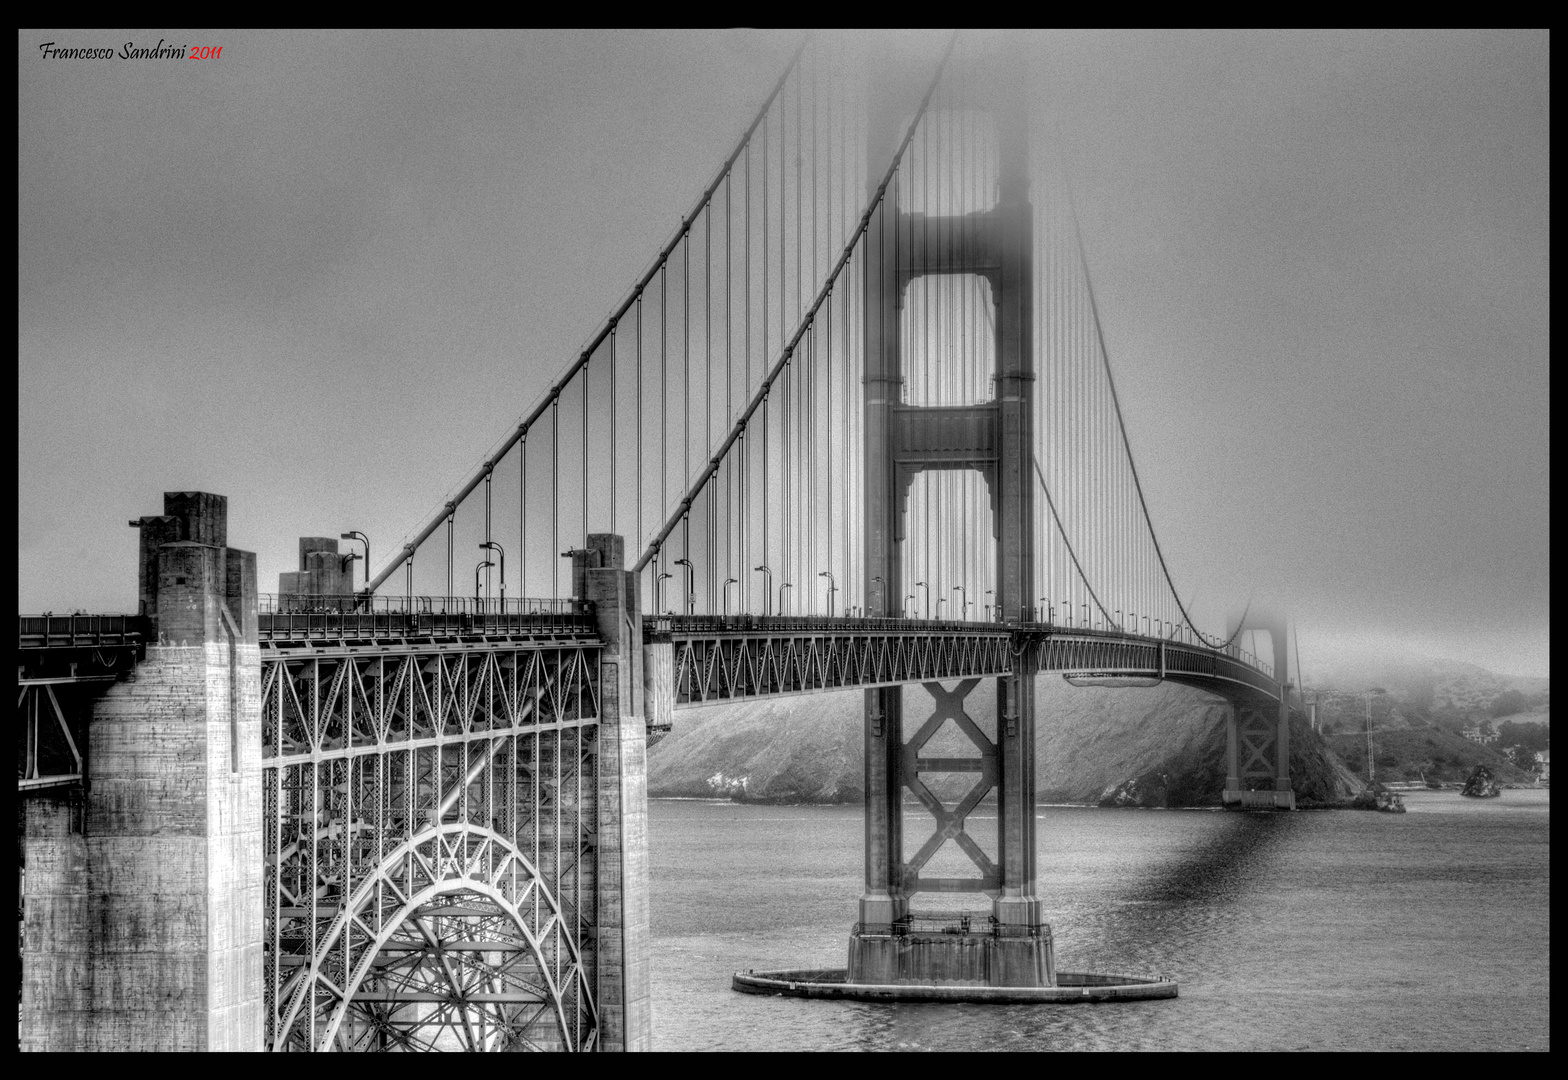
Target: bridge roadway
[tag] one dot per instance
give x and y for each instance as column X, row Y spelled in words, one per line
column 725, row 658
column 712, row 659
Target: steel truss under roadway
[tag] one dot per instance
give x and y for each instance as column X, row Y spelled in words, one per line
column 718, row 659
column 430, row 844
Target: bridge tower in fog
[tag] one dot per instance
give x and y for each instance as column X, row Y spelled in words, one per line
column 995, row 244
column 1257, row 733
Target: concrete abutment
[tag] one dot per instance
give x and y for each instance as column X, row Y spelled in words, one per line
column 144, row 887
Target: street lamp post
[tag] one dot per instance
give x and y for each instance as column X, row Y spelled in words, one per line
column 691, row 585
column 478, row 568
column 927, row 588
column 658, row 592
column 493, row 546
column 346, row 562
column 882, row 607
column 355, row 534
column 833, row 588
column 907, row 599
column 725, row 589
column 782, row 587
column 963, row 595
column 939, row 602
column 767, row 589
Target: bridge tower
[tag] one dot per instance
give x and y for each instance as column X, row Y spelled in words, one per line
column 994, row 438
column 1257, row 744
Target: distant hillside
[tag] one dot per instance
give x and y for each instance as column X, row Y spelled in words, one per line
column 810, row 749
column 1427, row 688
column 1541, row 715
column 1429, row 754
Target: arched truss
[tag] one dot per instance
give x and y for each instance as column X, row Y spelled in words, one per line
column 430, row 844
column 453, row 943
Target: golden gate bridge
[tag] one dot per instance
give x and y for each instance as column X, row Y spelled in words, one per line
column 854, row 427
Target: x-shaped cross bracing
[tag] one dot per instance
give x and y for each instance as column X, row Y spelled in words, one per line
column 950, row 822
column 1256, row 736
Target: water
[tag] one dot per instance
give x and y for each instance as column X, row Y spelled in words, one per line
column 1335, row 930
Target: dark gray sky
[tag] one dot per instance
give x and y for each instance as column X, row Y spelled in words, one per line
column 324, row 273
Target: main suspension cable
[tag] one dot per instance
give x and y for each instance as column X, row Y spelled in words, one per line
column 1132, row 465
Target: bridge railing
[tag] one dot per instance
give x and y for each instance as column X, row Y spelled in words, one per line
column 686, row 625
column 359, row 603
column 315, row 616
column 50, row 631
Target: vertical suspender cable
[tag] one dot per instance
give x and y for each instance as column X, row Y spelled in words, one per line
column 729, row 399
column 664, row 391
column 707, row 408
column 639, row 452
column 555, row 496
column 785, row 389
column 585, row 455
column 829, row 428
column 686, row 363
column 742, row 571
column 522, row 514
column 615, row 423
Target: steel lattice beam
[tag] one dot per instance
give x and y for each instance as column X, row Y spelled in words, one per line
column 429, row 833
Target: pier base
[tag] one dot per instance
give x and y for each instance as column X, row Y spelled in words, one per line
column 1072, row 988
column 1022, row 956
column 1259, row 800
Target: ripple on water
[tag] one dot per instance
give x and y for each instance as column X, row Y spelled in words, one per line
column 1331, row 930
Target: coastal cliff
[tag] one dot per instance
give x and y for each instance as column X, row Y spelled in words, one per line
column 1146, row 746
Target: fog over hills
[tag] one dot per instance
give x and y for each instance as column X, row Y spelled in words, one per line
column 1409, row 673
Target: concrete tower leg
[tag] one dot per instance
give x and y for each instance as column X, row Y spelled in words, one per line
column 1282, row 789
column 144, row 892
column 883, row 902
column 1232, row 793
column 1016, row 905
column 623, row 994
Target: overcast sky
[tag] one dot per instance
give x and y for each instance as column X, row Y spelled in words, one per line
column 324, row 273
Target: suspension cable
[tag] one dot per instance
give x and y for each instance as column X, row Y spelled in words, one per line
column 553, row 394
column 807, row 320
column 1105, row 359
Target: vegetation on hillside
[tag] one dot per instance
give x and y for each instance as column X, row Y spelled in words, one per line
column 810, row 749
column 1424, row 754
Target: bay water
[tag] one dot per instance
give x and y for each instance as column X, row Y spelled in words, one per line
column 1327, row 930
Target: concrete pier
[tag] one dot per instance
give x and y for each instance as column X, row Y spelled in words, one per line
column 623, row 993
column 1007, row 956
column 144, row 888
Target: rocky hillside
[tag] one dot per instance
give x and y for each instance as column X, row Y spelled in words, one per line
column 1169, row 739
